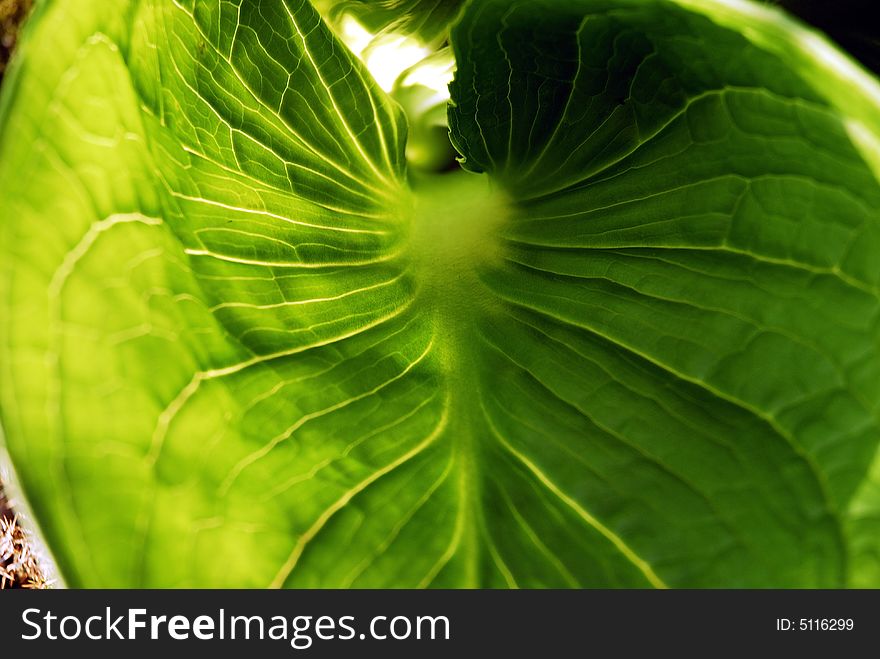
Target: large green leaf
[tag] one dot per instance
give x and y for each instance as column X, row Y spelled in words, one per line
column 239, row 348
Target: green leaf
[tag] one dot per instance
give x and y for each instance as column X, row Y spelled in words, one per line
column 428, row 20
column 201, row 203
column 699, row 203
column 240, row 346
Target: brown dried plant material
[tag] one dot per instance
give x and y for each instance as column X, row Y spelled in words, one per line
column 19, row 564
column 12, row 14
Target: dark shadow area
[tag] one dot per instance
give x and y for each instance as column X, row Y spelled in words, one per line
column 848, row 22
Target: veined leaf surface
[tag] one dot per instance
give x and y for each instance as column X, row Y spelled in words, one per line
column 242, row 347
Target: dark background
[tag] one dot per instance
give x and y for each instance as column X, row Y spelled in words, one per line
column 851, row 23
column 491, row 623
